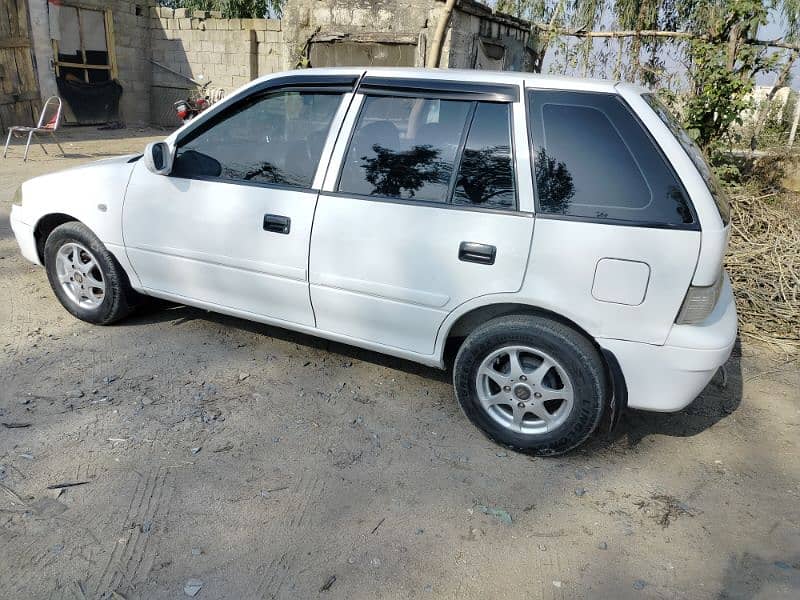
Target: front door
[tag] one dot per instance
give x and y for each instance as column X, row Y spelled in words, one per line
column 230, row 226
column 419, row 212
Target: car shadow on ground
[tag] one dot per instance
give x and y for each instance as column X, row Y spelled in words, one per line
column 721, row 397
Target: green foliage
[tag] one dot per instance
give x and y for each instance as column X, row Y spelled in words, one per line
column 232, row 9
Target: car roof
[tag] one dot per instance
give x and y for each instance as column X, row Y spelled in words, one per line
column 530, row 80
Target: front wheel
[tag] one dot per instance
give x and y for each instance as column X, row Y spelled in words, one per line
column 531, row 383
column 85, row 276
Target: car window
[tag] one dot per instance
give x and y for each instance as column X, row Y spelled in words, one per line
column 405, row 148
column 486, row 175
column 695, row 154
column 275, row 138
column 594, row 160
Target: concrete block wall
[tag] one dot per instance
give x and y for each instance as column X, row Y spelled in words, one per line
column 204, row 46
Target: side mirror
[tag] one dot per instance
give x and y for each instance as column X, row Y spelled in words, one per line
column 158, row 158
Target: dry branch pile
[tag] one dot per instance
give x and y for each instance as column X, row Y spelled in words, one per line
column 764, row 265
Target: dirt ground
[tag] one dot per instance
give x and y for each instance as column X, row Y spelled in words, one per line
column 267, row 464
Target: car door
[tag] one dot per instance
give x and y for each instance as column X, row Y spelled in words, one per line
column 419, row 211
column 230, row 225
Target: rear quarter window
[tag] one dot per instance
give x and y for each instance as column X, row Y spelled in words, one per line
column 593, row 160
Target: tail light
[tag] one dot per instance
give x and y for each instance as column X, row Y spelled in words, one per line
column 699, row 303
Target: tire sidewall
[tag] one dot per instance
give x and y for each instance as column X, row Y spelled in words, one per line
column 576, row 355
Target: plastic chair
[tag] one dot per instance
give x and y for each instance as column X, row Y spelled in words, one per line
column 49, row 120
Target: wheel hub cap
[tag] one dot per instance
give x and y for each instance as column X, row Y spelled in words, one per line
column 80, row 276
column 524, row 389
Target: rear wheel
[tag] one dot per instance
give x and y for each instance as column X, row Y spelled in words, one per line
column 85, row 276
column 531, row 383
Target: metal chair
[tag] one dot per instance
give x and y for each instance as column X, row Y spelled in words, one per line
column 49, row 120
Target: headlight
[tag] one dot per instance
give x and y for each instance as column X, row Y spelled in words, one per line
column 17, row 199
column 699, row 303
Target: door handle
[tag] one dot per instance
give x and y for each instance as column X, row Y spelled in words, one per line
column 277, row 224
column 483, row 254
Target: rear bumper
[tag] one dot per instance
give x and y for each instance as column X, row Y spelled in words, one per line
column 23, row 231
column 667, row 378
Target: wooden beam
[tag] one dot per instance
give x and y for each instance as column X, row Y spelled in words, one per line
column 17, row 42
column 81, row 66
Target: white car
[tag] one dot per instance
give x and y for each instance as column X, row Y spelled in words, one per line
column 562, row 237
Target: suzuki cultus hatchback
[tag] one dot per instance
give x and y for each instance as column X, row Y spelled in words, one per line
column 561, row 238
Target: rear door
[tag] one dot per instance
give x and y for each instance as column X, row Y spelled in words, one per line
column 420, row 210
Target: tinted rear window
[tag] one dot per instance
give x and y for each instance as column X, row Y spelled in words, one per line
column 694, row 152
column 593, row 160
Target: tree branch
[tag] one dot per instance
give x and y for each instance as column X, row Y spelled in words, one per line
column 653, row 33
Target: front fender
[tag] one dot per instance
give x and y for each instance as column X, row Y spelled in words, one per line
column 92, row 194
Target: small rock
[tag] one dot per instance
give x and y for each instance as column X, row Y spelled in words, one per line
column 243, row 376
column 580, row 491
column 74, row 394
column 501, row 514
column 192, row 587
column 419, row 531
column 376, row 562
column 275, row 440
column 602, row 546
column 196, row 450
column 24, row 401
column 501, row 454
column 557, row 584
column 196, row 552
column 428, row 588
column 542, row 547
column 26, row 456
column 146, row 527
column 639, row 584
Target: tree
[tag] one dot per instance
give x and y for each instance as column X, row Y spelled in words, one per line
column 716, row 41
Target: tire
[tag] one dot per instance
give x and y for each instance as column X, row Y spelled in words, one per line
column 531, row 383
column 75, row 256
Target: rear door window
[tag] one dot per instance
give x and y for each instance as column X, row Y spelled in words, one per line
column 594, row 161
column 486, row 174
column 432, row 150
column 405, row 148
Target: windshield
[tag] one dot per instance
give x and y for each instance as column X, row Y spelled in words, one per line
column 694, row 152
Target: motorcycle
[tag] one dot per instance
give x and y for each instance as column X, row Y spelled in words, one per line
column 188, row 109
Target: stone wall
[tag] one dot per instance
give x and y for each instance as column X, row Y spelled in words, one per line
column 473, row 23
column 160, row 50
